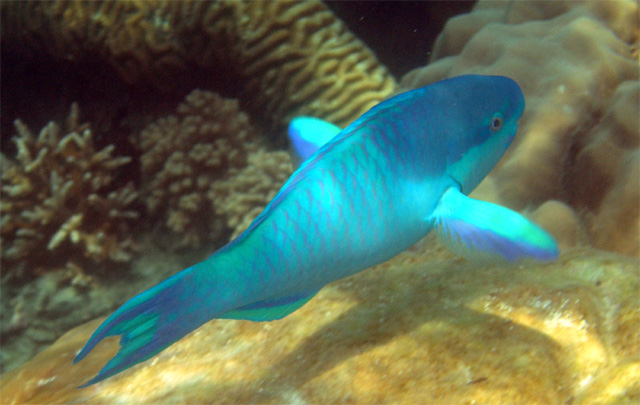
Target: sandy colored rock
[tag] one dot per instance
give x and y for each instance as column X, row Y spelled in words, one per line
column 562, row 222
column 578, row 138
column 424, row 328
column 607, row 173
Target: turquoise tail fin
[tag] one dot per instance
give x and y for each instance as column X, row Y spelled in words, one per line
column 148, row 323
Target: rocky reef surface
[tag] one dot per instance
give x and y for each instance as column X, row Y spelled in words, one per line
column 424, row 328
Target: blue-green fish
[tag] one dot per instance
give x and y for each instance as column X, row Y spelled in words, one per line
column 373, row 190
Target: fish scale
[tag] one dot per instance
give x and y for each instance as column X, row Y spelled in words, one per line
column 353, row 185
column 367, row 193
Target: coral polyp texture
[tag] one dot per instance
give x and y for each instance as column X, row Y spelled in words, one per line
column 199, row 177
column 249, row 189
column 294, row 57
column 61, row 204
column 578, row 139
column 300, row 59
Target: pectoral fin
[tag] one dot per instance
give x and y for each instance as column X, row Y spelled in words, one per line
column 307, row 135
column 270, row 310
column 481, row 230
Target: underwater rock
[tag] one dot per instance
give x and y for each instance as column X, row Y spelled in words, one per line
column 292, row 57
column 62, row 205
column 423, row 328
column 578, row 138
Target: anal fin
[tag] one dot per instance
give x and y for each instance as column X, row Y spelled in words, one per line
column 270, row 310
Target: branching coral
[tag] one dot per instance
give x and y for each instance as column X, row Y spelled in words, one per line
column 296, row 57
column 194, row 173
column 576, row 142
column 248, row 190
column 60, row 201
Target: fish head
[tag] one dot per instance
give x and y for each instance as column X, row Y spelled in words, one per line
column 486, row 111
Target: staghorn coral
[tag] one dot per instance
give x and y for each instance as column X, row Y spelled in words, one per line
column 60, row 202
column 195, row 173
column 295, row 57
column 578, row 141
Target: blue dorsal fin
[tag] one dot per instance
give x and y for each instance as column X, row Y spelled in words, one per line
column 481, row 230
column 307, row 135
column 270, row 310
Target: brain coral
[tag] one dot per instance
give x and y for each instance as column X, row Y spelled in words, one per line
column 292, row 57
column 578, row 138
column 194, row 169
column 61, row 204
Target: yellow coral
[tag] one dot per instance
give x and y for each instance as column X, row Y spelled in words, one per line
column 300, row 59
column 295, row 57
column 61, row 205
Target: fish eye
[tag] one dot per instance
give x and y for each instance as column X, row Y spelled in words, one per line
column 496, row 123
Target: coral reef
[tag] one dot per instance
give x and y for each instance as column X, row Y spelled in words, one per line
column 184, row 154
column 204, row 170
column 424, row 328
column 578, row 138
column 249, row 189
column 294, row 57
column 61, row 204
column 301, row 60
column 609, row 158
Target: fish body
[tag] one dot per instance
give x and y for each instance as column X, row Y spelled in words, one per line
column 370, row 192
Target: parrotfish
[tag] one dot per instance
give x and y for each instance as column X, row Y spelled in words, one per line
column 361, row 196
